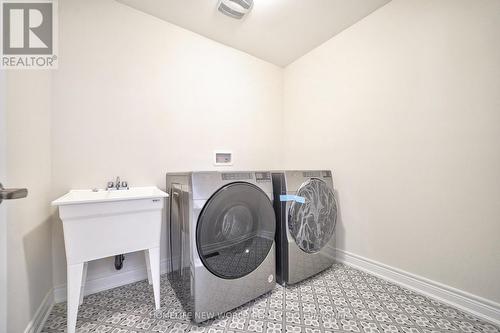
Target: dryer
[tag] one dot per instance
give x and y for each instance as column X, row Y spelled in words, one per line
column 306, row 215
column 222, row 228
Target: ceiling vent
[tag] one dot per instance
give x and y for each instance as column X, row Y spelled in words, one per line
column 235, row 8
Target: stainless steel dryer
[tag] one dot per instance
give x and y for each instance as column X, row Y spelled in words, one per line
column 222, row 227
column 306, row 214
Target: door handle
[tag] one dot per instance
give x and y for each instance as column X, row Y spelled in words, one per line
column 12, row 193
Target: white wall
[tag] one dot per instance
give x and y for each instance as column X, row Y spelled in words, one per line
column 29, row 262
column 405, row 108
column 3, row 208
column 137, row 97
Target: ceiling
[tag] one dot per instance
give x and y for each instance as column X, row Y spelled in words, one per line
column 278, row 31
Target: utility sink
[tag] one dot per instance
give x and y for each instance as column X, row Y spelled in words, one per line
column 105, row 223
column 93, row 196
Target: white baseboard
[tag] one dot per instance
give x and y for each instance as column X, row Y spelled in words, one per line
column 119, row 278
column 36, row 324
column 478, row 306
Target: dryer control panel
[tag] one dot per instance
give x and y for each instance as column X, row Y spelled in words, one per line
column 317, row 174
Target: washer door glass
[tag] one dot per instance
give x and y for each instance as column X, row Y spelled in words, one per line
column 235, row 230
column 311, row 221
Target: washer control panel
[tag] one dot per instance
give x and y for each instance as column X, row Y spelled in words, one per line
column 263, row 176
column 237, row 176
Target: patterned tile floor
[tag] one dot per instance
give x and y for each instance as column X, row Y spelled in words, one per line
column 341, row 299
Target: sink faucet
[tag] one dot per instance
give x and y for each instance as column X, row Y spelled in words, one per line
column 117, row 185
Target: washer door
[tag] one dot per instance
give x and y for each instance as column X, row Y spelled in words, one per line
column 312, row 222
column 235, row 230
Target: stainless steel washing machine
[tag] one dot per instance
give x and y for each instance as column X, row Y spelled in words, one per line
column 306, row 215
column 222, row 228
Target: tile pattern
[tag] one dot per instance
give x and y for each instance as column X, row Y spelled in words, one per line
column 341, row 299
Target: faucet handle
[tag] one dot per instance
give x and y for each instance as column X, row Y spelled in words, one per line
column 111, row 185
column 125, row 184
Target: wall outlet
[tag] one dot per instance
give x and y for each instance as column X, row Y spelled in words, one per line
column 223, row 158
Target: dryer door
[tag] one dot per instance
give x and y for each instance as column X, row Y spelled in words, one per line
column 235, row 230
column 311, row 221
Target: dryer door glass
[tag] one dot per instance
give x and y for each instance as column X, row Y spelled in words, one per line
column 235, row 230
column 312, row 219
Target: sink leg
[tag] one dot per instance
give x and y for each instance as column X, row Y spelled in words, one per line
column 84, row 278
column 154, row 265
column 75, row 274
column 148, row 267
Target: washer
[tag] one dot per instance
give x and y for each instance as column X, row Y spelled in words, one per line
column 222, row 228
column 306, row 215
